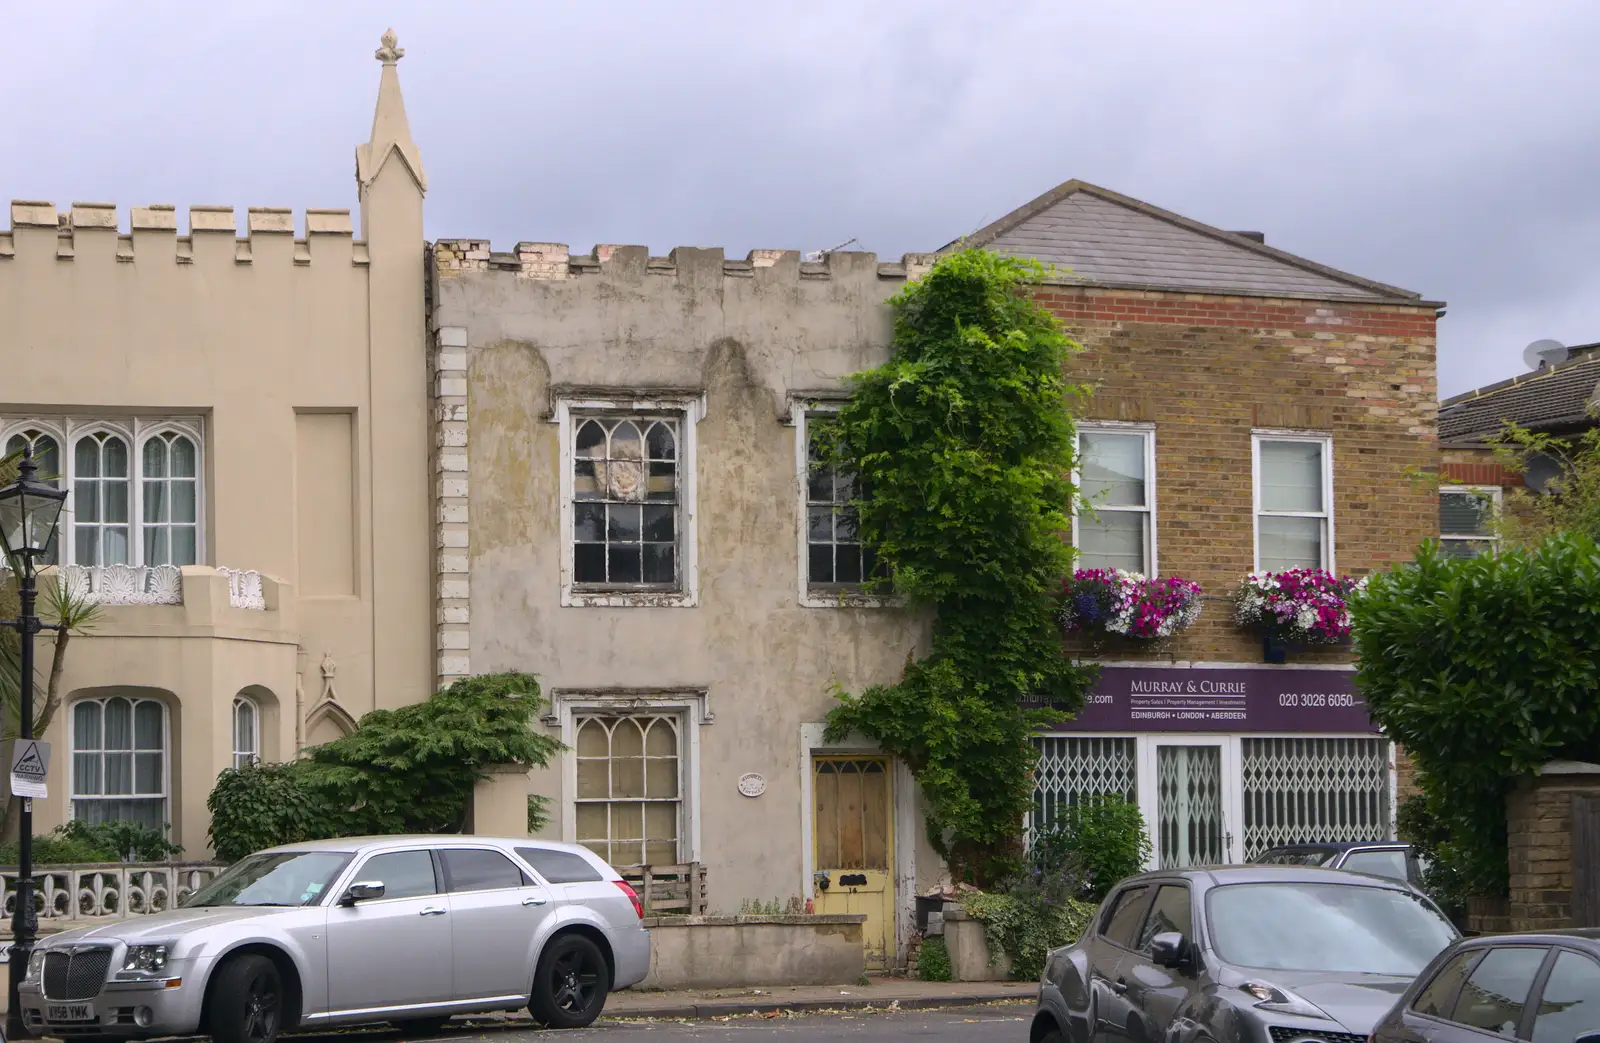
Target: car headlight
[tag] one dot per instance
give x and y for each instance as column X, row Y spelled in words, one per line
column 1281, row 1001
column 35, row 965
column 145, row 959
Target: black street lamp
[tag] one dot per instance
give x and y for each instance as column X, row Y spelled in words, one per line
column 29, row 510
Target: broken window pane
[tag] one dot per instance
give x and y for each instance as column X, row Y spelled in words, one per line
column 589, row 563
column 622, row 563
column 659, row 563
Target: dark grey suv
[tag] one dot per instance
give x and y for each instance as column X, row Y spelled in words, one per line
column 1240, row 954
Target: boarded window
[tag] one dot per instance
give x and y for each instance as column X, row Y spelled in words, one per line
column 852, row 802
column 629, row 794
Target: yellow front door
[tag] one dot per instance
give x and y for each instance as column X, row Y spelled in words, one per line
column 852, row 803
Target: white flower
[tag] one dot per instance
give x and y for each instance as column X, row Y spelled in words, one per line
column 1305, row 617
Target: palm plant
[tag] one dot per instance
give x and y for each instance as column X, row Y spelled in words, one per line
column 61, row 606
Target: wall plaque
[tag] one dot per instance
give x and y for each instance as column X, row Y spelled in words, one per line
column 752, row 785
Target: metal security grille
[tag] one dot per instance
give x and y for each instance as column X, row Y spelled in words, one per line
column 1304, row 790
column 1075, row 767
column 1189, row 805
column 75, row 976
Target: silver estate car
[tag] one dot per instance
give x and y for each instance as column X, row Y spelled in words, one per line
column 405, row 930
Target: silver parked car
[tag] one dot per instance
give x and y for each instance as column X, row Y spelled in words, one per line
column 406, row 930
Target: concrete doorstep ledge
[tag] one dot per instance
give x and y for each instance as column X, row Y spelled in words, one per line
column 723, row 952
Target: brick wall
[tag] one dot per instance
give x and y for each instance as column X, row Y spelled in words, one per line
column 1206, row 370
column 1539, row 838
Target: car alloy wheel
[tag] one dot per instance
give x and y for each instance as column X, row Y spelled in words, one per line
column 571, row 983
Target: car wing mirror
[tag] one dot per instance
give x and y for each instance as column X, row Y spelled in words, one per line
column 1171, row 949
column 365, row 891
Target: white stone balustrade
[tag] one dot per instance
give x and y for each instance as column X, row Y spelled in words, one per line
column 112, row 890
column 153, row 585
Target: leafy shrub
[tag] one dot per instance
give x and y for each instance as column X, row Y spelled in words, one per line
column 1443, row 879
column 1483, row 669
column 1026, row 929
column 107, row 842
column 933, row 960
column 963, row 443
column 263, row 805
column 1094, row 843
column 410, row 770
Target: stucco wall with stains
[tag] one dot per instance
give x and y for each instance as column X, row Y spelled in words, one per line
column 516, row 334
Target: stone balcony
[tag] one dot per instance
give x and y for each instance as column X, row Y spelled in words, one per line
column 159, row 600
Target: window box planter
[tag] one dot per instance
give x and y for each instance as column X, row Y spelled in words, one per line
column 1102, row 603
column 1296, row 608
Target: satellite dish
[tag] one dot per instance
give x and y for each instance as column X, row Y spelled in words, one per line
column 1540, row 471
column 1542, row 353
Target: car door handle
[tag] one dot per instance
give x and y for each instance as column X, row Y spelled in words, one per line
column 432, row 910
column 535, row 900
column 1118, row 987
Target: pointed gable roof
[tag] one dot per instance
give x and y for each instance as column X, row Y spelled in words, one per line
column 1104, row 238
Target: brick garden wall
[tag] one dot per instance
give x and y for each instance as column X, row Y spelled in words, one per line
column 1539, row 838
column 1206, row 370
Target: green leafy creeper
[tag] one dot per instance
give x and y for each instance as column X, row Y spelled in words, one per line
column 963, row 443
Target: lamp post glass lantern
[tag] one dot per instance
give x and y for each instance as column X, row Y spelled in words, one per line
column 29, row 510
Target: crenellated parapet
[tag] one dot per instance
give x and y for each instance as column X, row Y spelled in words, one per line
column 92, row 231
column 555, row 261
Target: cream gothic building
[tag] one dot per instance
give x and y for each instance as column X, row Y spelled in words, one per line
column 241, row 423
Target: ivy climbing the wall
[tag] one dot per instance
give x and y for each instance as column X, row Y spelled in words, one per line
column 963, row 445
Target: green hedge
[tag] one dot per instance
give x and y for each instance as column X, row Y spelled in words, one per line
column 1483, row 669
column 410, row 770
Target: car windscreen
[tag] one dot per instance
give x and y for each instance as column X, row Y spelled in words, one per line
column 282, row 878
column 1340, row 928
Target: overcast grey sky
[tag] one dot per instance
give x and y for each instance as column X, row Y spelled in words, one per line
column 1448, row 146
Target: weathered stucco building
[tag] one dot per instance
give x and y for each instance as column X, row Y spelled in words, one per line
column 213, row 401
column 625, row 510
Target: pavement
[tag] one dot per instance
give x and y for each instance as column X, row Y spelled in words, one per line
column 902, row 993
column 999, row 1022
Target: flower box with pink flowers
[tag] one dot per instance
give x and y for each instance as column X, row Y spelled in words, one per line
column 1126, row 604
column 1297, row 606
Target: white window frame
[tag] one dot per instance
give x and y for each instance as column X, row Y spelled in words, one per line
column 692, row 710
column 802, row 410
column 245, row 702
column 166, row 754
column 136, row 431
column 1148, row 431
column 689, row 411
column 1326, row 515
column 1491, row 492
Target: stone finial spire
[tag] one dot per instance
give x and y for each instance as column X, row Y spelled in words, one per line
column 388, row 53
column 391, row 133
